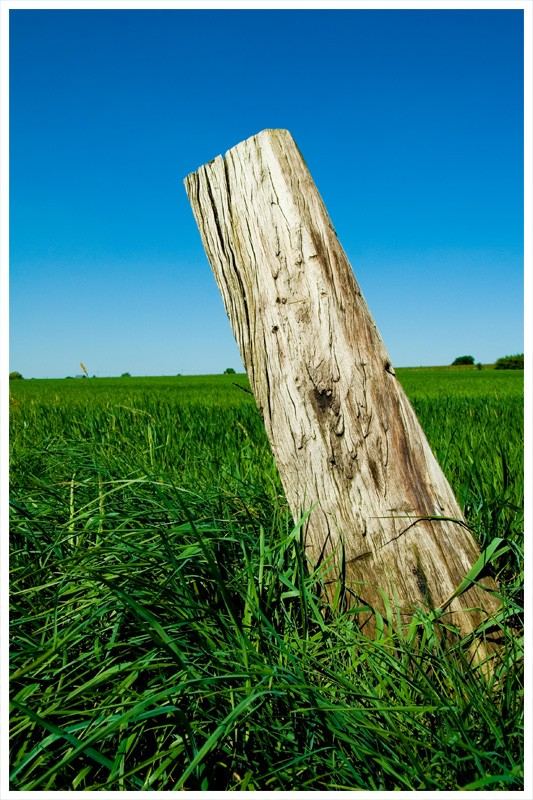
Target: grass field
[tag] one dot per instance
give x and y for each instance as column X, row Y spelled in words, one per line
column 166, row 633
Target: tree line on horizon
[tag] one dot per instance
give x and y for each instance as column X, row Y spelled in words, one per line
column 505, row 362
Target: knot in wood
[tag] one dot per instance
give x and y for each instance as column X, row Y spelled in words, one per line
column 322, row 399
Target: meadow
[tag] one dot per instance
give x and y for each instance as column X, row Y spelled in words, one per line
column 167, row 634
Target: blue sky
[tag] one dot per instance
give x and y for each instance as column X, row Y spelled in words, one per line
column 411, row 125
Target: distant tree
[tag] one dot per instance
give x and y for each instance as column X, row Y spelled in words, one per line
column 479, row 365
column 461, row 361
column 125, row 375
column 16, row 376
column 229, row 371
column 510, row 362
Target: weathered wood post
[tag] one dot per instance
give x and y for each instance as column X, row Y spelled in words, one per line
column 345, row 438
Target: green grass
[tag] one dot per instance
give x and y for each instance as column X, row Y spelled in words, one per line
column 166, row 633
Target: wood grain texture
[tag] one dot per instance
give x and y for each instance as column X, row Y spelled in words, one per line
column 345, row 438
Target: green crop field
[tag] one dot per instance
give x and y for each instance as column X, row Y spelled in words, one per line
column 167, row 633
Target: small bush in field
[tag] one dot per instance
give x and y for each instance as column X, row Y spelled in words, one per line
column 461, row 361
column 511, row 362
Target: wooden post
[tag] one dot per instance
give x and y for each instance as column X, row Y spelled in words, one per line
column 345, row 438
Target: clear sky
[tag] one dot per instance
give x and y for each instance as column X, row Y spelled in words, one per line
column 411, row 125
